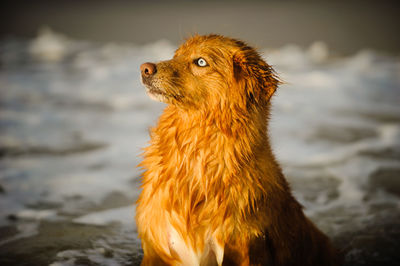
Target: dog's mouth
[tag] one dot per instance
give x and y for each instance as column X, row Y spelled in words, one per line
column 153, row 91
column 156, row 93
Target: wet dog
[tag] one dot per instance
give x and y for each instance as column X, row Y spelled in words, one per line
column 212, row 192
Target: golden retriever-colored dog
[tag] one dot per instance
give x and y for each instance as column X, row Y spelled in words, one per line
column 213, row 192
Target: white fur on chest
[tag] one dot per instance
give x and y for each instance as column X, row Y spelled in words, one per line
column 212, row 254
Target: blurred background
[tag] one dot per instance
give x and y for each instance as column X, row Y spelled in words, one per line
column 346, row 26
column 74, row 117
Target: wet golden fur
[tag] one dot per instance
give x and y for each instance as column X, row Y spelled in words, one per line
column 213, row 192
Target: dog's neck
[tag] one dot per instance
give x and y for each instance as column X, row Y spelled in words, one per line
column 229, row 121
column 213, row 136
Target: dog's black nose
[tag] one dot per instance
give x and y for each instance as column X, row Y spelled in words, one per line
column 148, row 69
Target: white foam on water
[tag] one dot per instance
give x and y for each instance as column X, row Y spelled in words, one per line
column 123, row 215
column 36, row 214
column 49, row 46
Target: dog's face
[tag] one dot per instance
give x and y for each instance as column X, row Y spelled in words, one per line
column 209, row 71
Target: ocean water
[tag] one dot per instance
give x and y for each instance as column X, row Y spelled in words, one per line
column 74, row 117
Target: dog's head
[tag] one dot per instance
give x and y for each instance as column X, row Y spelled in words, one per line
column 208, row 71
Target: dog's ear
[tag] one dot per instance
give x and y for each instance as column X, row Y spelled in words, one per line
column 254, row 76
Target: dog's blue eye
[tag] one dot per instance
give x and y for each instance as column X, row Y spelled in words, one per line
column 201, row 62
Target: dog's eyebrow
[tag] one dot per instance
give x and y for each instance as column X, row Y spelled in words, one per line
column 175, row 74
column 215, row 54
